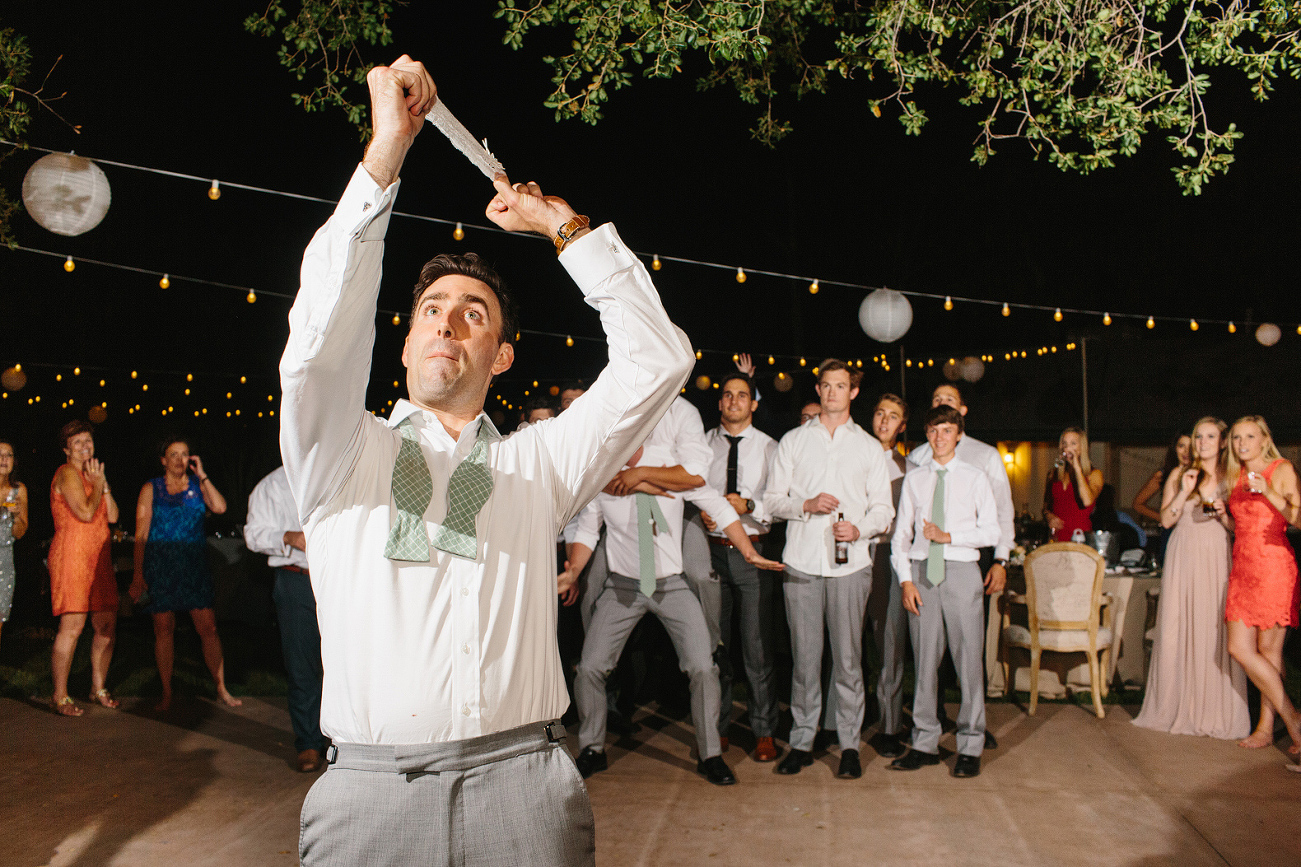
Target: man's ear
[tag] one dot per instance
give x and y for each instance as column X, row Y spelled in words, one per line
column 505, row 358
column 963, row 409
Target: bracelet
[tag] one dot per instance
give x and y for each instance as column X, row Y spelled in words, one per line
column 565, row 234
column 202, row 480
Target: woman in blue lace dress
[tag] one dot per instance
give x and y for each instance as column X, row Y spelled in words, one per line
column 171, row 560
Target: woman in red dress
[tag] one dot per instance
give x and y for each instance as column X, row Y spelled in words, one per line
column 1072, row 487
column 1262, row 598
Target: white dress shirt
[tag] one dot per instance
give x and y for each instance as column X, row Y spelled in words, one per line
column 683, row 434
column 753, row 455
column 987, row 459
column 853, row 468
column 453, row 648
column 970, row 514
column 619, row 514
column 271, row 514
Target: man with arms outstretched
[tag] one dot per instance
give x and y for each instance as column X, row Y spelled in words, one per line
column 431, row 538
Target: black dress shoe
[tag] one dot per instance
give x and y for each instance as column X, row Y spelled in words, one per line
column 716, row 771
column 914, row 760
column 849, row 769
column 991, row 742
column 590, row 761
column 967, row 766
column 794, row 761
column 888, row 746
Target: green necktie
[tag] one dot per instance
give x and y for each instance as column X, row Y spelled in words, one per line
column 412, row 491
column 935, row 558
column 649, row 519
column 467, row 490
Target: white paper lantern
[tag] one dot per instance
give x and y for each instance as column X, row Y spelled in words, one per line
column 66, row 194
column 885, row 315
column 1268, row 334
column 972, row 368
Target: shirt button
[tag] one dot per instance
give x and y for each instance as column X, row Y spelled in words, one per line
column 465, row 710
column 465, row 648
column 465, row 591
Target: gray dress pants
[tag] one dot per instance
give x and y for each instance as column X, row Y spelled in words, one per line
column 697, row 568
column 953, row 615
column 839, row 603
column 500, row 800
column 748, row 591
column 618, row 610
column 889, row 624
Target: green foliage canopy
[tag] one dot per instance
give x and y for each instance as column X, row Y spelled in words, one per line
column 15, row 63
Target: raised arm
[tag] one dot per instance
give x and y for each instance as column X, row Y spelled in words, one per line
column 1146, row 493
column 82, row 505
column 212, row 497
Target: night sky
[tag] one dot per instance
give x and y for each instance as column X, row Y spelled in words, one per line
column 847, row 197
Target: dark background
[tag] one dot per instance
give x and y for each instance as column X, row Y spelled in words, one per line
column 848, row 197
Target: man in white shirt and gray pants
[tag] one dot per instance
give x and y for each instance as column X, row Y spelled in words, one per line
column 431, row 537
column 830, row 481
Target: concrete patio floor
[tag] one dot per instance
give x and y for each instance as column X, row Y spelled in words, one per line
column 211, row 786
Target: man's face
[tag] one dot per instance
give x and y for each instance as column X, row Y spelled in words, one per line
column 809, row 411
column 736, row 405
column 943, row 439
column 836, row 391
column 538, row 415
column 80, row 449
column 888, row 422
column 568, row 396
column 947, row 395
column 453, row 349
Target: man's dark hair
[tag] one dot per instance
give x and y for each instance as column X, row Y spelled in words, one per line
column 472, row 266
column 72, row 428
column 741, row 377
column 167, row 442
column 956, row 390
column 536, row 402
column 573, row 385
column 943, row 414
column 855, row 376
column 895, row 399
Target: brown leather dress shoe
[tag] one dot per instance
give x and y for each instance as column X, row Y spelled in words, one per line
column 765, row 750
column 309, row 761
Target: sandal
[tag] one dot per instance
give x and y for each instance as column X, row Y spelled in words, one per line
column 65, row 706
column 103, row 697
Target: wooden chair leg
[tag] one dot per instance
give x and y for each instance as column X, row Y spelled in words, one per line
column 1034, row 679
column 1105, row 666
column 1094, row 677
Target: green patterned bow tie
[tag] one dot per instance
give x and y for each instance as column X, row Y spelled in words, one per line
column 467, row 490
column 412, row 491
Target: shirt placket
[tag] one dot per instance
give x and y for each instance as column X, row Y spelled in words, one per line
column 467, row 674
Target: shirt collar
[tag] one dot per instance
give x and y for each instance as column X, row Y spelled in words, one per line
column 722, row 431
column 937, row 466
column 404, row 408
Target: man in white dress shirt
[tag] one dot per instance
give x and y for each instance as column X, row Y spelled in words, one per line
column 442, row 678
column 273, row 529
column 642, row 582
column 987, row 459
column 946, row 514
column 830, row 480
column 739, row 471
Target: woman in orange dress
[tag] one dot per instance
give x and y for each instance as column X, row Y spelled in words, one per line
column 1262, row 598
column 81, row 573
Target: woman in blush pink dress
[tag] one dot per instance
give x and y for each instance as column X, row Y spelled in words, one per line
column 1262, row 599
column 1193, row 686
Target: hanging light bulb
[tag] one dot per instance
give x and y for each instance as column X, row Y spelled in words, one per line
column 165, row 282
column 655, row 262
column 243, row 379
column 458, row 234
column 569, row 341
column 1007, row 311
column 69, row 265
column 740, row 274
column 397, row 319
column 1106, row 319
column 1151, row 323
column 1232, row 328
column 58, row 377
column 1192, row 324
column 1057, row 315
column 802, row 362
column 813, row 287
column 134, row 374
column 251, row 297
column 772, row 360
column 948, row 303
column 699, row 355
column 214, row 191
column 189, row 377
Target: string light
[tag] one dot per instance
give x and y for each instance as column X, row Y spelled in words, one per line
column 101, row 383
column 1192, row 325
column 813, row 287
column 134, row 374
column 802, row 362
column 1106, row 318
column 569, row 341
column 242, row 379
column 189, row 377
column 165, row 282
column 76, row 371
column 1151, row 323
column 458, row 234
column 655, row 262
column 1057, row 315
column 1007, row 311
column 948, row 302
column 58, row 377
column 251, row 297
column 397, row 320
column 214, row 191
column 772, row 360
column 740, row 273
column 699, row 355
column 1232, row 328
column 69, row 265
